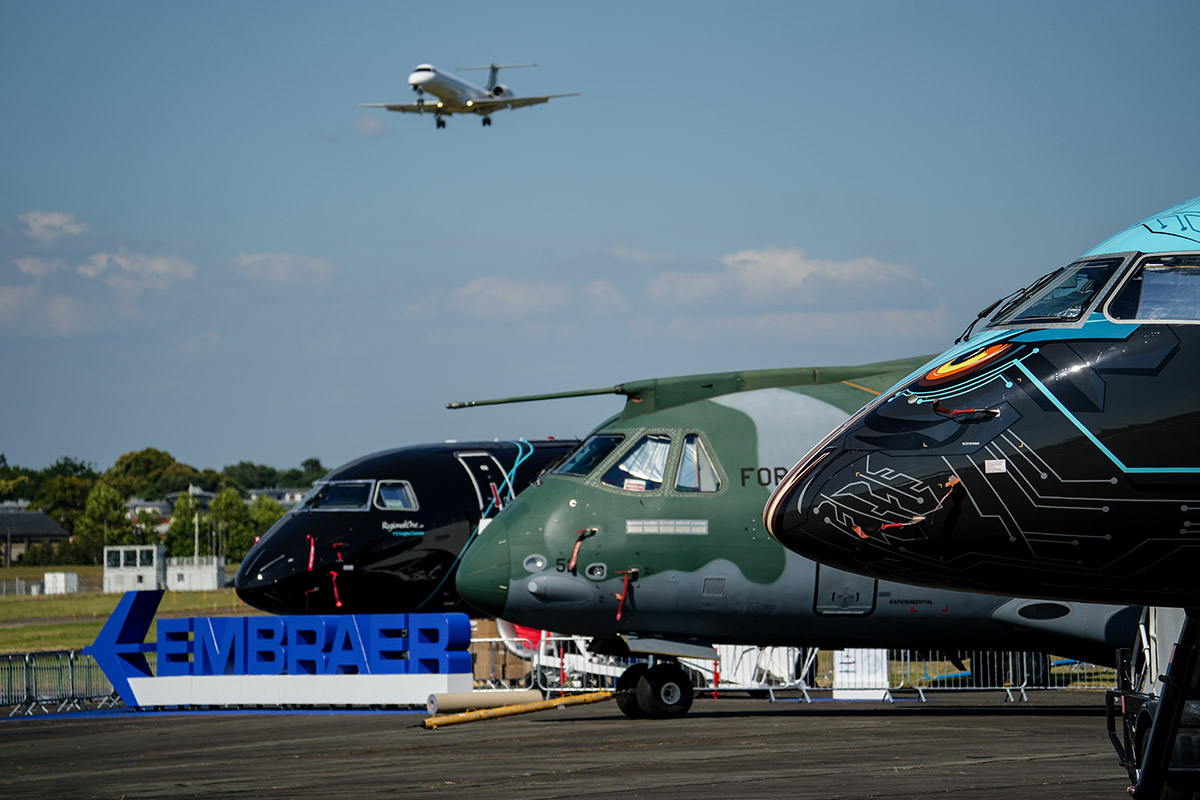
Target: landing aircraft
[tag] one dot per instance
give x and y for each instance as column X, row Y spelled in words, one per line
column 457, row 96
column 1051, row 454
column 383, row 533
column 649, row 538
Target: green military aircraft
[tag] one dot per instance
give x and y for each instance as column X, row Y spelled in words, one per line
column 649, row 538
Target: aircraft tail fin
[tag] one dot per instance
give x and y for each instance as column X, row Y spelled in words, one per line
column 493, row 69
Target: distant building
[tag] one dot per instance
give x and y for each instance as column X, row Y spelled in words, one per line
column 286, row 497
column 161, row 509
column 135, row 567
column 203, row 499
column 20, row 529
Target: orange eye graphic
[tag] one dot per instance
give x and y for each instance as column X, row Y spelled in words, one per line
column 966, row 364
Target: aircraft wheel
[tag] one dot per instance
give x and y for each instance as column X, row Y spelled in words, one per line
column 626, row 691
column 665, row 691
column 441, row 123
column 1168, row 792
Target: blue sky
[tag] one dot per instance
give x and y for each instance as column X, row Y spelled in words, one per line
column 208, row 248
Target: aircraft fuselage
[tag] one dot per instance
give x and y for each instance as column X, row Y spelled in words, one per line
column 383, row 533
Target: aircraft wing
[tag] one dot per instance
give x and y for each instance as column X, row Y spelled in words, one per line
column 410, row 108
column 495, row 104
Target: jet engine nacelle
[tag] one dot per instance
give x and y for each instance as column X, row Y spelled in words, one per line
column 500, row 90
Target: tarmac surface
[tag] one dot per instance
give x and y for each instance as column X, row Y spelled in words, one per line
column 966, row 745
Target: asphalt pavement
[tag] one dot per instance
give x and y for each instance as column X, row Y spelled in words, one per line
column 975, row 746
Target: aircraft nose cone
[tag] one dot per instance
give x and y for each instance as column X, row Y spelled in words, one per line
column 420, row 78
column 258, row 579
column 484, row 573
column 791, row 519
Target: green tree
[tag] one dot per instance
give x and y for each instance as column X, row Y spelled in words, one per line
column 181, row 534
column 63, row 498
column 252, row 476
column 145, row 524
column 309, row 473
column 264, row 512
column 139, row 472
column 175, row 477
column 103, row 522
column 230, row 518
column 69, row 467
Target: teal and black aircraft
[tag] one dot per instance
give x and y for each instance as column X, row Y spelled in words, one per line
column 1051, row 453
column 649, row 538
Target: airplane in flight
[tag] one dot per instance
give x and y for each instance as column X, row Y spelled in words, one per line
column 649, row 539
column 457, row 96
column 383, row 533
column 1052, row 453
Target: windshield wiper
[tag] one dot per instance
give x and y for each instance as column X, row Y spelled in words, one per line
column 967, row 333
column 1014, row 300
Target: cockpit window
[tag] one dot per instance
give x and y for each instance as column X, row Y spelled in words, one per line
column 341, row 496
column 395, row 496
column 589, row 454
column 1160, row 288
column 642, row 468
column 1061, row 296
column 696, row 471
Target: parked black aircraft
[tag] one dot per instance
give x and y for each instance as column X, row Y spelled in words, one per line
column 1052, row 454
column 383, row 533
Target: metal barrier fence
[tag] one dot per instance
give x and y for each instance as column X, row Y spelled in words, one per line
column 48, row 682
column 54, row 681
column 17, row 587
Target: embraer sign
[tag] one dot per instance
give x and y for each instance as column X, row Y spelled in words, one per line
column 354, row 659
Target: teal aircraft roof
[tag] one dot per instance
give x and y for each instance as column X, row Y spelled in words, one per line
column 1176, row 228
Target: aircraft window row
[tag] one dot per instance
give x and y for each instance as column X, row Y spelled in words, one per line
column 1161, row 289
column 395, row 496
column 642, row 468
column 589, row 454
column 696, row 470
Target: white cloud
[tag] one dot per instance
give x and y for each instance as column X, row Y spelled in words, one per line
column 46, row 226
column 134, row 273
column 779, row 276
column 37, row 267
column 285, row 269
column 633, row 256
column 370, row 126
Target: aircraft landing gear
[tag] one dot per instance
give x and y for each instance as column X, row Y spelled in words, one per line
column 441, row 123
column 626, row 692
column 487, row 122
column 663, row 691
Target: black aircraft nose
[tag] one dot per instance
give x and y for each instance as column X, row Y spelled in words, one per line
column 292, row 570
column 788, row 518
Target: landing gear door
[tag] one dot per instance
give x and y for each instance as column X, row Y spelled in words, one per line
column 488, row 478
column 843, row 593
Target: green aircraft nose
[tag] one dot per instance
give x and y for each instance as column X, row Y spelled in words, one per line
column 484, row 572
